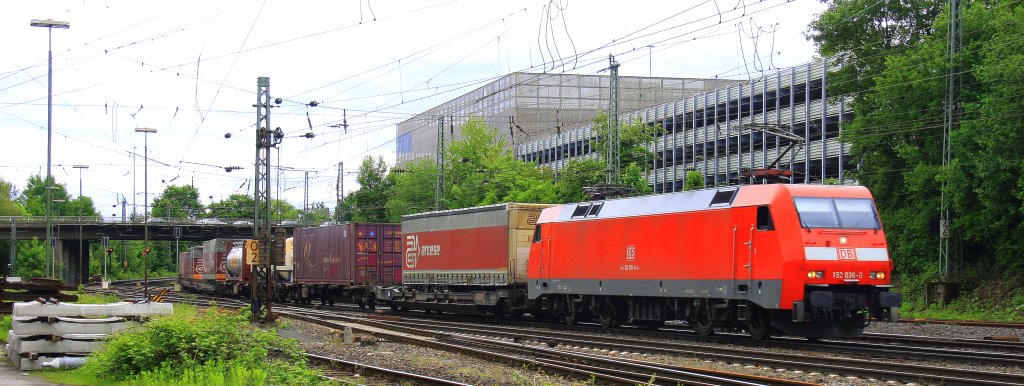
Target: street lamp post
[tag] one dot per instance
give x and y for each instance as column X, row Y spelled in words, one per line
column 145, row 202
column 80, row 167
column 49, row 24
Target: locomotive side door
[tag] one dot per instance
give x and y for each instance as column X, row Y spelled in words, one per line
column 744, row 250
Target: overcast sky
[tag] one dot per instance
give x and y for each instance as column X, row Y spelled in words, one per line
column 189, row 69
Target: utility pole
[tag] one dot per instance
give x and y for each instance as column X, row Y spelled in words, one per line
column 262, row 281
column 339, row 193
column 612, row 153
column 439, row 168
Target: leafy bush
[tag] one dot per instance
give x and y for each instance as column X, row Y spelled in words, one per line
column 5, row 325
column 214, row 346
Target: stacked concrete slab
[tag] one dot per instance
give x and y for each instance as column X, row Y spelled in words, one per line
column 42, row 332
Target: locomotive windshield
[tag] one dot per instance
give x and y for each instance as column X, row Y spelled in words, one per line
column 844, row 213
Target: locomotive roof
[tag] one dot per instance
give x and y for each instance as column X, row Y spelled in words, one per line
column 693, row 200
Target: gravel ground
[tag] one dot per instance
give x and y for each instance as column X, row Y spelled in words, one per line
column 943, row 330
column 416, row 359
column 469, row 369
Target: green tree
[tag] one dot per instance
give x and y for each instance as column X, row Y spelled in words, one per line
column 9, row 205
column 282, row 210
column 694, row 180
column 235, row 206
column 316, row 214
column 33, row 199
column 897, row 130
column 635, row 159
column 479, row 170
column 177, row 202
column 863, row 33
column 413, row 189
column 369, row 202
column 635, row 178
column 577, row 174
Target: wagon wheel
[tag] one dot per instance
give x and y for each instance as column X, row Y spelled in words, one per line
column 606, row 316
column 703, row 324
column 758, row 326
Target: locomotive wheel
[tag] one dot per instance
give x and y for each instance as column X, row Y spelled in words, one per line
column 758, row 326
column 570, row 317
column 703, row 325
column 606, row 316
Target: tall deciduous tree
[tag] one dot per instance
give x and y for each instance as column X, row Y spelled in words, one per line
column 369, row 202
column 235, row 206
column 9, row 205
column 177, row 201
column 635, row 159
column 33, row 199
column 413, row 189
column 479, row 170
column 896, row 55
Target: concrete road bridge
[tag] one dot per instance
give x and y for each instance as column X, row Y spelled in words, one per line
column 74, row 234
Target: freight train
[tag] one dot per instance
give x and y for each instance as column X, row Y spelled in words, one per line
column 326, row 264
column 803, row 260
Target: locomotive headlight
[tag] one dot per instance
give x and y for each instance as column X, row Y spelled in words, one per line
column 810, row 274
column 877, row 275
column 873, row 275
column 815, row 274
column 842, row 240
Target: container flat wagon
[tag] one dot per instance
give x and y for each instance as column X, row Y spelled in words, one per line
column 344, row 262
column 471, row 260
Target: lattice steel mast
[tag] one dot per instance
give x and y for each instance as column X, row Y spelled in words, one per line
column 951, row 122
column 439, row 166
column 613, row 152
column 262, row 279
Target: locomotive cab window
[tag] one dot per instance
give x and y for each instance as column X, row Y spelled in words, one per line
column 844, row 213
column 764, row 219
column 595, row 209
column 536, row 234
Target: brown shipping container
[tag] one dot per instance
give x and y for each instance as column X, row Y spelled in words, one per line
column 348, row 254
column 214, row 258
column 486, row 245
column 184, row 265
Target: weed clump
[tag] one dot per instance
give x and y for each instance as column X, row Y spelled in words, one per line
column 213, row 346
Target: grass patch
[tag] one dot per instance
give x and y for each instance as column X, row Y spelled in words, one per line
column 194, row 347
column 5, row 325
column 995, row 300
column 86, row 298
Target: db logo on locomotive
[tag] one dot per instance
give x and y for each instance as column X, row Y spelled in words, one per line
column 847, row 254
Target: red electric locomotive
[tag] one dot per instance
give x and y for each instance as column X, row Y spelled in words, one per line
column 807, row 260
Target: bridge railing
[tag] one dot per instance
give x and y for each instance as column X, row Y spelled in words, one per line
column 87, row 220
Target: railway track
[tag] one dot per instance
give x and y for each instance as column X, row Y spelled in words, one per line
column 609, row 370
column 340, row 369
column 972, row 323
column 552, row 343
